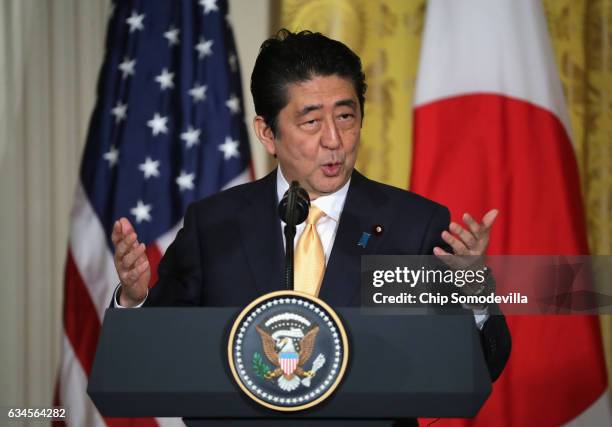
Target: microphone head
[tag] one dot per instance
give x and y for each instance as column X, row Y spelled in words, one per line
column 294, row 206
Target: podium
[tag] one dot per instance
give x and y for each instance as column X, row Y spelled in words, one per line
column 172, row 362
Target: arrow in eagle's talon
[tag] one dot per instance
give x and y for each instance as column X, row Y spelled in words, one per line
column 316, row 365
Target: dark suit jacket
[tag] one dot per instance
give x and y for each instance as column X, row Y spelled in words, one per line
column 230, row 249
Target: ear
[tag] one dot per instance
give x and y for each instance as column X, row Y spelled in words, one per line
column 264, row 134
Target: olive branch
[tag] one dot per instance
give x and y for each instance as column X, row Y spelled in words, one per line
column 259, row 366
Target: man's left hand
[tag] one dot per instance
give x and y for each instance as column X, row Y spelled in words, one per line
column 468, row 245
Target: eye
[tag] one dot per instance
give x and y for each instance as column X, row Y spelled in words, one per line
column 310, row 124
column 345, row 120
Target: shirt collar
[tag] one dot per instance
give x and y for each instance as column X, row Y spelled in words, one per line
column 331, row 204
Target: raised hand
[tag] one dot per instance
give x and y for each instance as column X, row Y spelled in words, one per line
column 468, row 245
column 131, row 264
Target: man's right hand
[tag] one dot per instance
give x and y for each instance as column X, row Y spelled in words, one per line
column 131, row 263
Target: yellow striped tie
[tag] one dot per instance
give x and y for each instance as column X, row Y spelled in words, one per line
column 309, row 256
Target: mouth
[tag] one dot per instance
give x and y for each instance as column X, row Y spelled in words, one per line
column 331, row 169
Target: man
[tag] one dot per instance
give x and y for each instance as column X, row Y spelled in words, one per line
column 309, row 94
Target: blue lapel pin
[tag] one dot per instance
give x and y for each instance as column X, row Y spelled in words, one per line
column 363, row 241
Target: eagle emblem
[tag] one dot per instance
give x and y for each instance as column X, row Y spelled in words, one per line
column 288, row 361
column 287, row 350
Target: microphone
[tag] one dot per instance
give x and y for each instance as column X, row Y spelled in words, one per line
column 293, row 210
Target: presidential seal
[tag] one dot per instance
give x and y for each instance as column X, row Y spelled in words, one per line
column 288, row 351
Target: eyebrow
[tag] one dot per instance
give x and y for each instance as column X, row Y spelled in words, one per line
column 307, row 109
column 342, row 103
column 346, row 103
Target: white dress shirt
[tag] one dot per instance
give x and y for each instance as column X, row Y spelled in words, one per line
column 327, row 226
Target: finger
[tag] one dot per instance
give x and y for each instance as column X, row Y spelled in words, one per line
column 438, row 251
column 126, row 226
column 134, row 274
column 473, row 225
column 142, row 267
column 132, row 255
column 124, row 245
column 469, row 240
column 457, row 245
column 447, row 258
column 116, row 234
column 141, row 259
column 489, row 218
column 138, row 271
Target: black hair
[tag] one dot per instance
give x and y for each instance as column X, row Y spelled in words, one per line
column 297, row 57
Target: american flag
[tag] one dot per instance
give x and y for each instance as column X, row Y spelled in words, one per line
column 167, row 129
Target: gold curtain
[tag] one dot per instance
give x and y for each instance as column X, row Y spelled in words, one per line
column 386, row 34
column 581, row 33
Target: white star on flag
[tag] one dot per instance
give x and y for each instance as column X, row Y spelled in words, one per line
column 141, row 211
column 158, row 124
column 135, row 21
column 233, row 62
column 150, row 167
column 191, row 136
column 204, row 48
column 185, row 181
column 119, row 111
column 165, row 79
column 209, row 6
column 111, row 156
column 233, row 103
column 172, row 35
column 229, row 148
column 198, row 92
column 127, row 67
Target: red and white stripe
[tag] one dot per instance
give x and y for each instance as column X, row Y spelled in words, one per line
column 90, row 280
column 492, row 131
column 288, row 364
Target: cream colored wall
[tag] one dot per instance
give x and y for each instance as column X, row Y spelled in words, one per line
column 251, row 23
column 52, row 52
column 50, row 55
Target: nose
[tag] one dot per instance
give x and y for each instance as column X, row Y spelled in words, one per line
column 330, row 138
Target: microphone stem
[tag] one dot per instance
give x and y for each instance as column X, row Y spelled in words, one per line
column 289, row 236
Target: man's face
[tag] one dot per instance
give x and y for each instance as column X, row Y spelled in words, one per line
column 318, row 134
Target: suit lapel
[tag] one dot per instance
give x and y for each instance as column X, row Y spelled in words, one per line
column 261, row 236
column 341, row 282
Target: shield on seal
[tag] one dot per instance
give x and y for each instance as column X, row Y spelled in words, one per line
column 288, row 362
